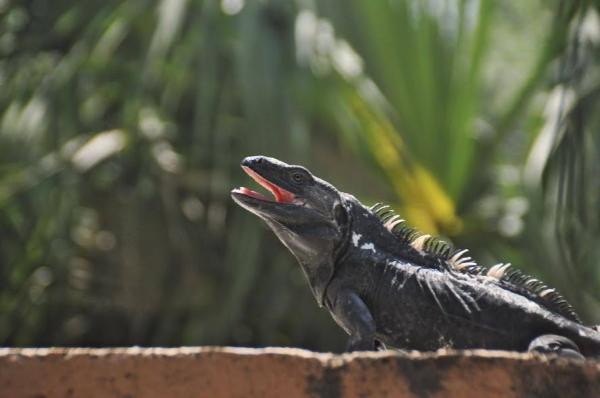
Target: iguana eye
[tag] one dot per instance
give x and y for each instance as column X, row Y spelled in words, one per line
column 298, row 177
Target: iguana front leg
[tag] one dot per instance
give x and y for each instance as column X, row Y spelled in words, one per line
column 352, row 314
column 555, row 344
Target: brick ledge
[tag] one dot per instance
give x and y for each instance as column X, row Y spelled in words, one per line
column 276, row 372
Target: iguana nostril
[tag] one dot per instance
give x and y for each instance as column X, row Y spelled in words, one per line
column 250, row 160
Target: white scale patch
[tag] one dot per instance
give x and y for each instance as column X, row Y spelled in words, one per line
column 368, row 246
column 355, row 238
column 533, row 307
column 399, row 279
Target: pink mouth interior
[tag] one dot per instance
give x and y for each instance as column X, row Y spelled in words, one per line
column 281, row 195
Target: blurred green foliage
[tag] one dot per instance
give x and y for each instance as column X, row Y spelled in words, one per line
column 122, row 125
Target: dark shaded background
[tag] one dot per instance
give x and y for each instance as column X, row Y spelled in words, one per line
column 122, row 125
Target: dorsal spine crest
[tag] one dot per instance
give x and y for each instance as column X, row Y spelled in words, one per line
column 457, row 260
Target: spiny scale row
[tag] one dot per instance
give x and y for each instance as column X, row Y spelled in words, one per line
column 419, row 241
column 457, row 259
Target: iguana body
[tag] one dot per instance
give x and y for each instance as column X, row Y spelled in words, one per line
column 385, row 283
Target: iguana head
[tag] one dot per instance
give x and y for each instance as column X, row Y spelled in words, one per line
column 307, row 214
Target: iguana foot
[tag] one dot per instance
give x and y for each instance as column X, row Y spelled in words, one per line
column 365, row 345
column 379, row 346
column 555, row 344
column 360, row 345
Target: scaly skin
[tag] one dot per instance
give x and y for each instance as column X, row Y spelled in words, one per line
column 379, row 290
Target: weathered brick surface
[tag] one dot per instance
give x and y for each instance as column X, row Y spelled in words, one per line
column 279, row 372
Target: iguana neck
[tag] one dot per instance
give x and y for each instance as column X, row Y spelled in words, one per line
column 321, row 271
column 367, row 237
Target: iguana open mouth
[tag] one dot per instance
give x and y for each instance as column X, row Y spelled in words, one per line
column 281, row 195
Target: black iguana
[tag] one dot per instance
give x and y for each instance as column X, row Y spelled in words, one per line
column 387, row 284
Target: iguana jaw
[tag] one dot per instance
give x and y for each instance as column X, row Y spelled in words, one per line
column 299, row 197
column 281, row 195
